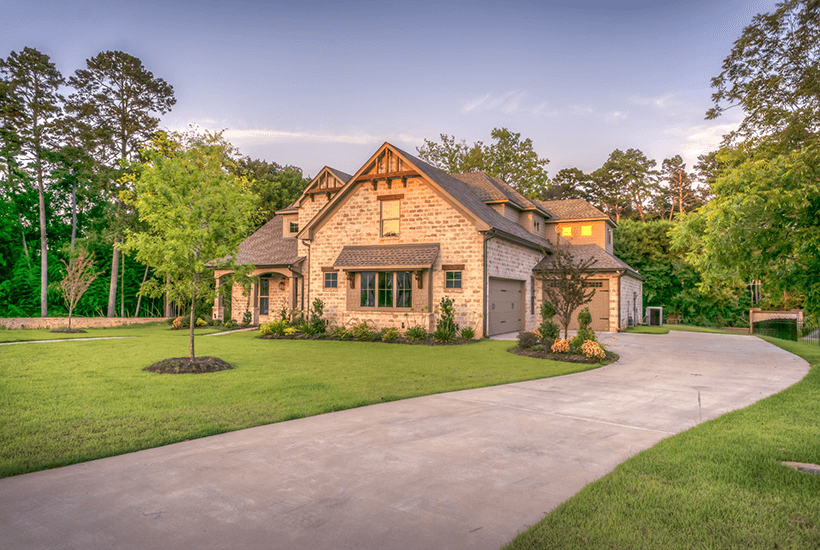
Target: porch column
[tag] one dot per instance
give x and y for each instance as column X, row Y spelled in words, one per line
column 293, row 295
column 217, row 310
column 254, row 304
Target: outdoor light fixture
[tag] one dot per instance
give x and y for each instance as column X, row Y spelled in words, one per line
column 281, row 285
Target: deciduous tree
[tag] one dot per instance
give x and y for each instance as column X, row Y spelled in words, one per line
column 564, row 278
column 79, row 274
column 196, row 213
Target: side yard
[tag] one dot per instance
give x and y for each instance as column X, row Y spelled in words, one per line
column 718, row 485
column 69, row 402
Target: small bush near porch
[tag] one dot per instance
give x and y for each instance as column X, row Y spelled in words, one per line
column 70, row 402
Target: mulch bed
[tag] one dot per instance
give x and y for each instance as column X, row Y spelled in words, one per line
column 186, row 365
column 68, row 330
column 429, row 341
column 566, row 357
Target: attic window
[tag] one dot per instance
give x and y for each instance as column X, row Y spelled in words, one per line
column 566, row 231
column 390, row 218
column 586, row 230
column 294, row 227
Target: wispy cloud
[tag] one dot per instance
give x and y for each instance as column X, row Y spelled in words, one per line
column 662, row 102
column 268, row 135
column 581, row 110
column 508, row 103
column 615, row 116
column 705, row 137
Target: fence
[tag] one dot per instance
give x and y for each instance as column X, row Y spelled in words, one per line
column 788, row 329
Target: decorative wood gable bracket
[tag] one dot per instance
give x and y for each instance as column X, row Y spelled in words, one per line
column 326, row 183
column 388, row 166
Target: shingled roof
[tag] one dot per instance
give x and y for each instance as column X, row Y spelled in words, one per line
column 466, row 195
column 266, row 247
column 571, row 209
column 604, row 261
column 396, row 255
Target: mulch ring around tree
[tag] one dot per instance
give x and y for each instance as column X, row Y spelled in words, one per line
column 68, row 330
column 186, row 365
column 566, row 357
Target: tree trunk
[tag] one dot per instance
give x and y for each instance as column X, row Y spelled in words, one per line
column 139, row 296
column 193, row 308
column 73, row 217
column 70, row 311
column 122, row 288
column 112, row 289
column 43, row 243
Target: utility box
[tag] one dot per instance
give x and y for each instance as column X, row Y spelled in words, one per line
column 654, row 316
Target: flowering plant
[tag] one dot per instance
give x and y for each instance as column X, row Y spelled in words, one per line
column 560, row 346
column 592, row 350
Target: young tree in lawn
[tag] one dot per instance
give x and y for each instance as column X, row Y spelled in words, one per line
column 195, row 212
column 78, row 277
column 564, row 279
column 115, row 102
column 34, row 80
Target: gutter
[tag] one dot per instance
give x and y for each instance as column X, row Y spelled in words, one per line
column 309, row 267
column 487, row 236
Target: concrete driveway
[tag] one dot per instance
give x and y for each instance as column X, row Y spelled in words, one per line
column 467, row 469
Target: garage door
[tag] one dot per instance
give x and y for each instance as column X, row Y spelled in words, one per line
column 506, row 306
column 598, row 308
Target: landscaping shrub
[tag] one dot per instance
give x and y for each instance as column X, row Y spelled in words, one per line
column 200, row 322
column 415, row 333
column 446, row 327
column 593, row 350
column 306, row 328
column 389, row 334
column 178, row 323
column 468, row 333
column 526, row 339
column 246, row 318
column 537, row 347
column 585, row 332
column 277, row 328
column 230, row 323
column 549, row 331
column 339, row 333
column 266, row 329
column 316, row 320
column 560, row 346
column 290, row 331
column 362, row 332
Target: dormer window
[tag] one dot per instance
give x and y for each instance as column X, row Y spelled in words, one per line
column 566, row 231
column 586, row 230
column 294, row 227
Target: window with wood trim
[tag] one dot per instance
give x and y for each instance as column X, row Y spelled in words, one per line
column 566, row 231
column 386, row 289
column 264, row 296
column 390, row 214
column 586, row 230
column 294, row 227
column 331, row 279
column 452, row 279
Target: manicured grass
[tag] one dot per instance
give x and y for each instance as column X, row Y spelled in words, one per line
column 718, row 485
column 643, row 329
column 68, row 402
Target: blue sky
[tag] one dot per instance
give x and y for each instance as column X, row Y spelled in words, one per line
column 325, row 83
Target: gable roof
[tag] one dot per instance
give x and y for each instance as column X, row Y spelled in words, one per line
column 604, row 261
column 572, row 209
column 314, row 183
column 267, row 247
column 491, row 189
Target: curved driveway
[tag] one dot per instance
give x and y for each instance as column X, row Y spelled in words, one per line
column 466, row 469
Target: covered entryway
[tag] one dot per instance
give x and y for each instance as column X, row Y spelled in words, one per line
column 598, row 308
column 506, row 306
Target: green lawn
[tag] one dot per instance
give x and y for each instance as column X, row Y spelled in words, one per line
column 718, row 485
column 68, row 402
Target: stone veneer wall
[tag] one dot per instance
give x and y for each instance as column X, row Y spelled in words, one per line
column 425, row 218
column 631, row 301
column 599, row 234
column 513, row 261
column 76, row 322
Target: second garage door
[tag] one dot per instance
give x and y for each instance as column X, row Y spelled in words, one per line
column 506, row 306
column 598, row 308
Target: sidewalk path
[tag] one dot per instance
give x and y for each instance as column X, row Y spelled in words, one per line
column 467, row 469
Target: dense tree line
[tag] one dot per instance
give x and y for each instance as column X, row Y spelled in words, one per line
column 70, row 151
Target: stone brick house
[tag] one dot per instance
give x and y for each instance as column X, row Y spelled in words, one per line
column 385, row 244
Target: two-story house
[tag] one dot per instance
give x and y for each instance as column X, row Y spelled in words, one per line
column 385, row 244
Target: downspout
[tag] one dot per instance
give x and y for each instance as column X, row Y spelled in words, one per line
column 309, row 267
column 619, row 273
column 487, row 236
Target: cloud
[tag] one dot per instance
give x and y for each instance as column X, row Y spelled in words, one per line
column 703, row 138
column 581, row 110
column 662, row 102
column 267, row 135
column 615, row 117
column 507, row 103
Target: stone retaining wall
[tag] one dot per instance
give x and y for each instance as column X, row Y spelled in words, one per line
column 76, row 322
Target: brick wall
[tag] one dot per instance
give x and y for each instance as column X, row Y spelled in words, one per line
column 512, row 261
column 631, row 301
column 76, row 322
column 425, row 217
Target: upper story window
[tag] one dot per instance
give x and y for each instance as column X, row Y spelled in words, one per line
column 586, row 230
column 390, row 214
column 566, row 231
column 294, row 227
column 536, row 227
